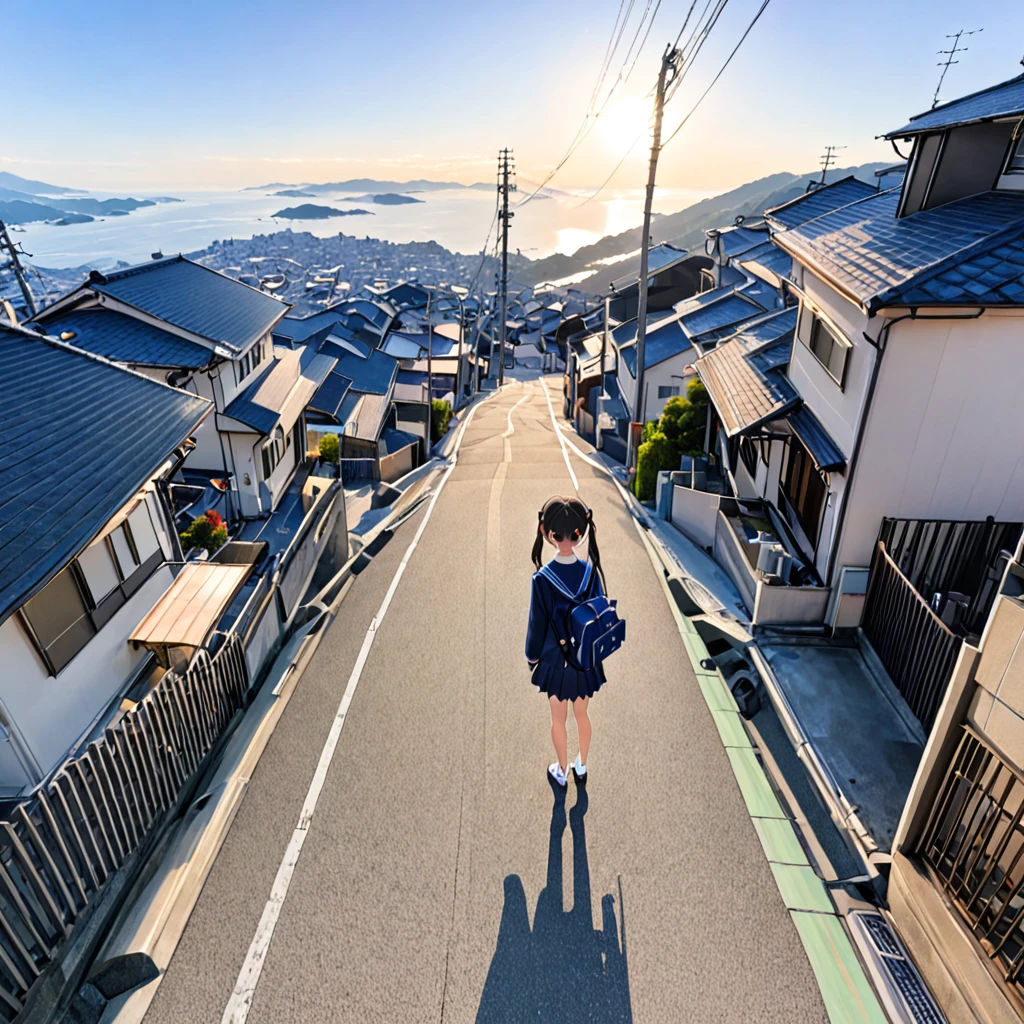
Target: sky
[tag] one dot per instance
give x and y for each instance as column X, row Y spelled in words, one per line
column 118, row 95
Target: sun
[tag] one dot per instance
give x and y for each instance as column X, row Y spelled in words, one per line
column 622, row 121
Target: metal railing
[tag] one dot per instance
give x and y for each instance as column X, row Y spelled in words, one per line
column 916, row 647
column 945, row 556
column 59, row 847
column 974, row 843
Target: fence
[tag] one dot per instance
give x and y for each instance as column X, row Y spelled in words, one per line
column 944, row 556
column 916, row 647
column 974, row 843
column 59, row 847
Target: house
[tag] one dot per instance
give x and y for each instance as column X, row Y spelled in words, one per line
column 180, row 322
column 86, row 538
column 672, row 275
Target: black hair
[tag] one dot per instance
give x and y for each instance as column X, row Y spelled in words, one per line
column 566, row 518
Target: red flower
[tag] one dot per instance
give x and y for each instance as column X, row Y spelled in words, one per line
column 215, row 519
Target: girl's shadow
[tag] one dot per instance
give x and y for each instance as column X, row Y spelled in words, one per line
column 564, row 970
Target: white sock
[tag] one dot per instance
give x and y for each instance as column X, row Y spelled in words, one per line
column 581, row 769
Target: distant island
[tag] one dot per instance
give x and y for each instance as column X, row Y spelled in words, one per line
column 383, row 199
column 74, row 218
column 167, row 199
column 310, row 211
column 295, row 193
column 370, row 185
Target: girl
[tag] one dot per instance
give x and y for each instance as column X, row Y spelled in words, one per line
column 563, row 523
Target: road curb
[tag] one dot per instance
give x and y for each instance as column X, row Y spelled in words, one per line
column 842, row 981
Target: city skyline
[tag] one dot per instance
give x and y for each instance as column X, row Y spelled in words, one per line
column 231, row 101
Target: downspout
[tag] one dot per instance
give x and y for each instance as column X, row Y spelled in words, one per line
column 881, row 345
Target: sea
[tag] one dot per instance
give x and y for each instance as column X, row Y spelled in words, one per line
column 457, row 219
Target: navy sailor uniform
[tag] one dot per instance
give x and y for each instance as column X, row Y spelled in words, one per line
column 551, row 675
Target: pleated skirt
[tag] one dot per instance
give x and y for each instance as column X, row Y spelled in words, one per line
column 556, row 679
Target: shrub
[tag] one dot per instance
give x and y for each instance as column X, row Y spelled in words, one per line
column 655, row 454
column 683, row 420
column 330, row 448
column 441, row 416
column 207, row 531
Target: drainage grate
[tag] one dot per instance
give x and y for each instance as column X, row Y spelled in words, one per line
column 893, row 970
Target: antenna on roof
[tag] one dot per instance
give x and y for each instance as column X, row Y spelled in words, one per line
column 950, row 54
column 828, row 159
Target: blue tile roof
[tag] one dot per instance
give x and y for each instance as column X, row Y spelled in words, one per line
column 55, row 498
column 375, row 374
column 297, row 329
column 821, row 200
column 825, row 452
column 733, row 309
column 392, row 440
column 661, row 342
column 733, row 241
column 768, row 256
column 331, row 394
column 968, row 249
column 194, row 298
column 118, row 336
column 293, row 376
column 1003, row 100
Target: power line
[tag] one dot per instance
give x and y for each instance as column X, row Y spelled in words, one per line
column 721, row 70
column 590, row 118
column 694, row 52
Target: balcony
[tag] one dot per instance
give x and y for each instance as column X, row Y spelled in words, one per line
column 750, row 540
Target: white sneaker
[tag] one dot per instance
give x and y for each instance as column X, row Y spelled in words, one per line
column 556, row 772
column 579, row 772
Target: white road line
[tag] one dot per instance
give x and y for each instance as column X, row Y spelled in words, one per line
column 561, row 441
column 240, row 1002
column 511, row 428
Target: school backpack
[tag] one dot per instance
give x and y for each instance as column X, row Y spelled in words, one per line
column 592, row 629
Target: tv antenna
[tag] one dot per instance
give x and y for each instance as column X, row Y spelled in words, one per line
column 949, row 55
column 828, row 159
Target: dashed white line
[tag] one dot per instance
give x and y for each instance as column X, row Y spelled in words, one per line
column 240, row 1003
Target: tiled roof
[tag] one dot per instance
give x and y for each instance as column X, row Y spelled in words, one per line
column 55, row 498
column 290, row 381
column 367, row 413
column 118, row 336
column 769, row 257
column 970, row 248
column 330, row 394
column 659, row 258
column 825, row 452
column 1003, row 100
column 306, row 328
column 393, row 440
column 745, row 392
column 194, row 298
column 733, row 241
column 374, row 374
column 661, row 342
column 743, row 396
column 732, row 309
column 821, row 200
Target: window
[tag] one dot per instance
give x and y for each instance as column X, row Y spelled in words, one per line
column 828, row 347
column 81, row 599
column 273, row 450
column 1016, row 164
column 804, row 489
column 667, row 392
column 59, row 619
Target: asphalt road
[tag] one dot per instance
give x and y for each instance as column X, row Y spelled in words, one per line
column 442, row 879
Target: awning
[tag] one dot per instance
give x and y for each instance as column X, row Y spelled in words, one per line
column 825, row 452
column 191, row 607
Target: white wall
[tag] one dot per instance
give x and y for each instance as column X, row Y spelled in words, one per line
column 52, row 713
column 241, row 448
column 943, row 438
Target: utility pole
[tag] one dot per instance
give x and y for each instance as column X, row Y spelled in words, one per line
column 670, row 64
column 949, row 55
column 828, row 158
column 504, row 187
column 13, row 250
column 430, row 375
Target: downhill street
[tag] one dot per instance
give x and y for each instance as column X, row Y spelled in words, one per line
column 441, row 879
